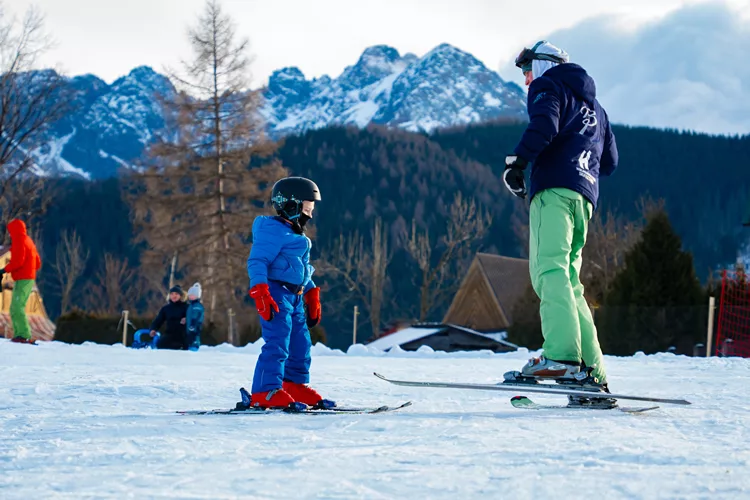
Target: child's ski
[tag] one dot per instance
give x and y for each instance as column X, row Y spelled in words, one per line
column 344, row 410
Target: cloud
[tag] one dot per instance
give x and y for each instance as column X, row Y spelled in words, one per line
column 688, row 70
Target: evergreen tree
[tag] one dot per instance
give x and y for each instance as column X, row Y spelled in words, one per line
column 655, row 302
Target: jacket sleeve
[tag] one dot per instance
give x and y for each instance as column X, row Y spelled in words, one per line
column 263, row 252
column 17, row 255
column 38, row 262
column 159, row 320
column 610, row 156
column 544, row 119
column 310, row 283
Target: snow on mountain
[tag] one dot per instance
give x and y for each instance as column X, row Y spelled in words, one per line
column 445, row 87
column 109, row 125
column 99, row 422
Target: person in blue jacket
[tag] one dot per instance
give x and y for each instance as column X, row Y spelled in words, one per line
column 194, row 317
column 570, row 144
column 287, row 299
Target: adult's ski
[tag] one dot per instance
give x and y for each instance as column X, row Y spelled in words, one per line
column 524, row 403
column 531, row 388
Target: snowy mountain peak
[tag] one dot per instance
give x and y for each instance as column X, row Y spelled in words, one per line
column 379, row 58
column 109, row 125
column 143, row 78
column 446, row 86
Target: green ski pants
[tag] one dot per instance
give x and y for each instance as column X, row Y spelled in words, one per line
column 558, row 221
column 21, row 292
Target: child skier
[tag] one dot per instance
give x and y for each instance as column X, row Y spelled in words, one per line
column 174, row 315
column 194, row 317
column 287, row 300
column 570, row 143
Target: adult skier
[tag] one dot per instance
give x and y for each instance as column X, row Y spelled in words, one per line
column 287, row 299
column 174, row 314
column 570, row 144
column 23, row 266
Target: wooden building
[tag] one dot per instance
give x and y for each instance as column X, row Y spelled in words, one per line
column 41, row 326
column 447, row 338
column 492, row 286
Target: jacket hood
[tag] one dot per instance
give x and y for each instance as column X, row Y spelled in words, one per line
column 16, row 228
column 575, row 78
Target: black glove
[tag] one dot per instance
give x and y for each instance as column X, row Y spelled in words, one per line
column 513, row 176
column 2, row 271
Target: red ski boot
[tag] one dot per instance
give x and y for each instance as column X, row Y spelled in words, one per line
column 277, row 398
column 23, row 340
column 303, row 393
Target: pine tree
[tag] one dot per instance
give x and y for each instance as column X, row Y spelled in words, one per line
column 655, row 301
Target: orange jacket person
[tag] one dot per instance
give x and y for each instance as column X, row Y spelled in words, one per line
column 23, row 265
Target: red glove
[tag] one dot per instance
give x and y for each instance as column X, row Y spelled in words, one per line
column 263, row 301
column 312, row 307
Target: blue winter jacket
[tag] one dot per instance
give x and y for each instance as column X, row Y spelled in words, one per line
column 194, row 323
column 568, row 139
column 279, row 254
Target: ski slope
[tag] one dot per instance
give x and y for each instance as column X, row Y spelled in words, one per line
column 97, row 422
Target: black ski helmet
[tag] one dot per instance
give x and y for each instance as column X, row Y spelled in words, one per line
column 288, row 194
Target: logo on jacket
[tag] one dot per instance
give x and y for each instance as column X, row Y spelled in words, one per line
column 583, row 167
column 589, row 118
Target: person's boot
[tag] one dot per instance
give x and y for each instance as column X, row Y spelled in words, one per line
column 277, row 398
column 23, row 340
column 303, row 393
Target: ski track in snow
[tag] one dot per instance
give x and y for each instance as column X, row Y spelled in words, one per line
column 97, row 422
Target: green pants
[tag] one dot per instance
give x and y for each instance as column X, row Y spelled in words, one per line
column 558, row 221
column 21, row 292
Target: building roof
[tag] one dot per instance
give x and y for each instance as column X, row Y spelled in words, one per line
column 402, row 337
column 413, row 333
column 41, row 326
column 508, row 277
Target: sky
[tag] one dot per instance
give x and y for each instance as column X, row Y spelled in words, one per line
column 110, row 37
column 663, row 63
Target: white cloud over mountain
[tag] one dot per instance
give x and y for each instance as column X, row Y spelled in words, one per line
column 687, row 70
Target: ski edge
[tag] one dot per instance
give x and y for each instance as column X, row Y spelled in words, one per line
column 530, row 388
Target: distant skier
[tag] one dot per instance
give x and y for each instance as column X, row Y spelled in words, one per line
column 287, row 300
column 570, row 143
column 174, row 314
column 23, row 266
column 194, row 317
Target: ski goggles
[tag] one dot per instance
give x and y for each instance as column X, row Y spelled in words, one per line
column 524, row 59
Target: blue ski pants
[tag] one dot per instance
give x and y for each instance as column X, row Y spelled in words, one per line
column 286, row 352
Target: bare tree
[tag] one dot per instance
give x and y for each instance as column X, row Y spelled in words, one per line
column 116, row 286
column 70, row 263
column 467, row 223
column 197, row 195
column 362, row 267
column 609, row 238
column 30, row 101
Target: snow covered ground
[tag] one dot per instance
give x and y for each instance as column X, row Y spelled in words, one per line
column 97, row 422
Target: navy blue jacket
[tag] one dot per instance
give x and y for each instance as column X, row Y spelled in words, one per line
column 173, row 313
column 279, row 254
column 568, row 140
